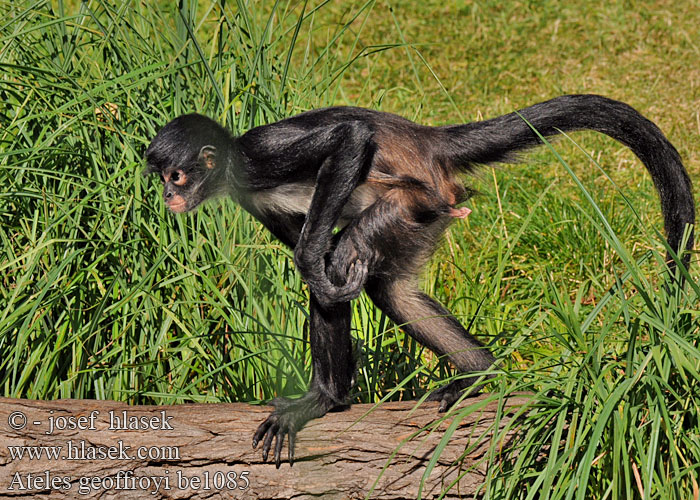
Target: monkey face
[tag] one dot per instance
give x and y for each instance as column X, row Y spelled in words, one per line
column 184, row 158
column 185, row 187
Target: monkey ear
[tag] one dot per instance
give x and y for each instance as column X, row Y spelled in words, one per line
column 207, row 155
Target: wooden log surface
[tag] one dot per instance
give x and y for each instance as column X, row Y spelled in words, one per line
column 106, row 449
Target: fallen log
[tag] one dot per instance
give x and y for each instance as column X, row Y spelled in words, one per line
column 106, row 449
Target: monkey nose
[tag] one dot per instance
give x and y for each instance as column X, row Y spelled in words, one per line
column 167, row 195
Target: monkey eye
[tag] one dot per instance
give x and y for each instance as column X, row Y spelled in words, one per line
column 178, row 177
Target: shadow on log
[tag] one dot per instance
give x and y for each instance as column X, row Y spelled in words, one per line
column 105, row 449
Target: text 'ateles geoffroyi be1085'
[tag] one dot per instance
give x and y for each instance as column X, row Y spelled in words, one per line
column 392, row 187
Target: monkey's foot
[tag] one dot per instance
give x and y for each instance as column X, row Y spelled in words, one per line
column 449, row 394
column 289, row 416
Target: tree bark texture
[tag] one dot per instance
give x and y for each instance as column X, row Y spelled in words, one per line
column 105, row 449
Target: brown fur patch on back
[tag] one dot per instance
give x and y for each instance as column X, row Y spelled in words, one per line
column 406, row 162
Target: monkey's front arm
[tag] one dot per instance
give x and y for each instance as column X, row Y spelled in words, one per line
column 332, row 284
column 338, row 176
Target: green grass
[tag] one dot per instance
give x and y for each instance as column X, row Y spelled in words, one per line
column 103, row 294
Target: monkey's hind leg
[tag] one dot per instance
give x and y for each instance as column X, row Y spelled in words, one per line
column 436, row 328
column 395, row 237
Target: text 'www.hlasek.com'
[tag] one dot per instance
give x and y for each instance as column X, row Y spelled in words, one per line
column 145, row 467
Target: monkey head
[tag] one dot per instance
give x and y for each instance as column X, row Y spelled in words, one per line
column 189, row 154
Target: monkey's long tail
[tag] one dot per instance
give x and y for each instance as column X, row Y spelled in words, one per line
column 497, row 140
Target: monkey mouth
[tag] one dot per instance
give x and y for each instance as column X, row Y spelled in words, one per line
column 178, row 207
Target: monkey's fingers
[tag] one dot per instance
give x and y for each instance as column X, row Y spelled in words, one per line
column 261, row 431
column 272, row 429
column 292, row 439
column 327, row 294
column 358, row 273
column 355, row 281
column 281, row 433
column 267, row 444
column 446, row 396
column 266, row 432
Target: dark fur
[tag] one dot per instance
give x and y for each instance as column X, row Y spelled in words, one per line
column 392, row 186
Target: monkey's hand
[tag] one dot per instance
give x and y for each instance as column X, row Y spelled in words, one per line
column 289, row 416
column 327, row 293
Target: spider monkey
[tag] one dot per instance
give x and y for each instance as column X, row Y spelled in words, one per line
column 363, row 197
